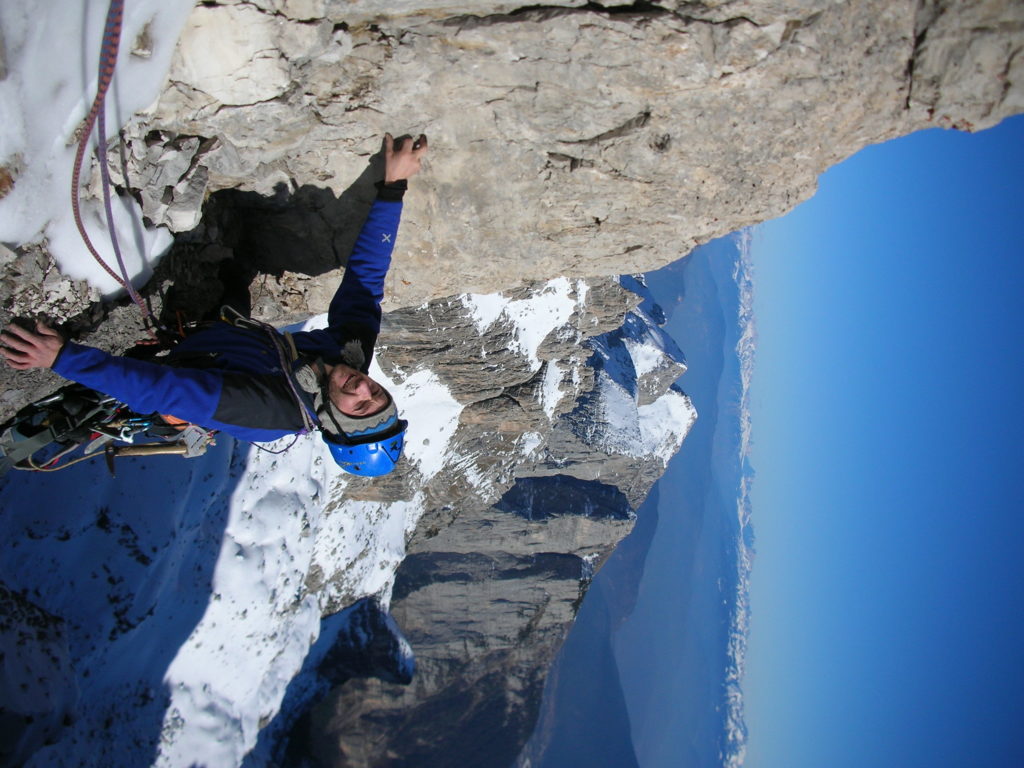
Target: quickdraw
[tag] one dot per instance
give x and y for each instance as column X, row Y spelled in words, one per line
column 42, row 436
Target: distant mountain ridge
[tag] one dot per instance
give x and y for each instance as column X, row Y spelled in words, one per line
column 704, row 300
column 276, row 542
column 486, row 599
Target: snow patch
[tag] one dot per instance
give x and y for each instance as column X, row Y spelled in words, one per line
column 656, row 429
column 259, row 621
column 371, row 548
column 551, row 391
column 484, row 308
column 45, row 98
column 530, row 442
column 648, row 356
column 532, row 318
column 664, row 423
column 433, row 416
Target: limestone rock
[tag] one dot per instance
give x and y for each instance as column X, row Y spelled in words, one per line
column 32, row 288
column 566, row 139
column 170, row 179
column 230, row 53
column 959, row 78
column 573, row 139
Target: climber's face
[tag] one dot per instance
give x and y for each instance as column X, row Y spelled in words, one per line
column 354, row 393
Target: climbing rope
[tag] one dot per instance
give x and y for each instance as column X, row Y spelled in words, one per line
column 236, row 318
column 96, row 117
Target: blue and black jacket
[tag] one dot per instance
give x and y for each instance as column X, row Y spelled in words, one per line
column 229, row 378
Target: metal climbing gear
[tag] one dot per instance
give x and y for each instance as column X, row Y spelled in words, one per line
column 44, row 435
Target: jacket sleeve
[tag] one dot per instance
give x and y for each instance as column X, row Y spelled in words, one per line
column 254, row 407
column 188, row 393
column 357, row 301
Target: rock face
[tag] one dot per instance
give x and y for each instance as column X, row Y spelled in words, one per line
column 570, row 138
column 486, row 605
column 488, row 590
column 567, row 141
column 540, row 394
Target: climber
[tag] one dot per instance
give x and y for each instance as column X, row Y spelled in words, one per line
column 227, row 375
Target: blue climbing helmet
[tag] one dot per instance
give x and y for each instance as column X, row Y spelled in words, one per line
column 362, row 445
column 369, row 455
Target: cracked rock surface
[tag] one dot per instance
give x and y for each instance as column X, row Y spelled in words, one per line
column 571, row 139
column 567, row 139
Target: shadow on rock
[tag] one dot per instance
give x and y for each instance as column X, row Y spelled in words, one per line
column 362, row 641
column 242, row 235
column 103, row 581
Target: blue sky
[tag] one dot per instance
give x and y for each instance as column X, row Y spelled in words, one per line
column 888, row 587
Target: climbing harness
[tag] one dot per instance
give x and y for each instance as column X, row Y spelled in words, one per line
column 96, row 117
column 370, row 455
column 286, row 354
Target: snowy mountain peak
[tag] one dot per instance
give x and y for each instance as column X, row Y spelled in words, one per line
column 200, row 586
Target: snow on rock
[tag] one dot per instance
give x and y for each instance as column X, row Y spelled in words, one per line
column 485, row 308
column 656, row 429
column 638, row 425
column 193, row 594
column 634, row 409
column 664, row 423
column 251, row 550
column 436, row 418
column 533, row 317
column 551, row 307
column 45, row 98
column 260, row 619
column 551, row 394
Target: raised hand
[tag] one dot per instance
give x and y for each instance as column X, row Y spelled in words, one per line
column 402, row 158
